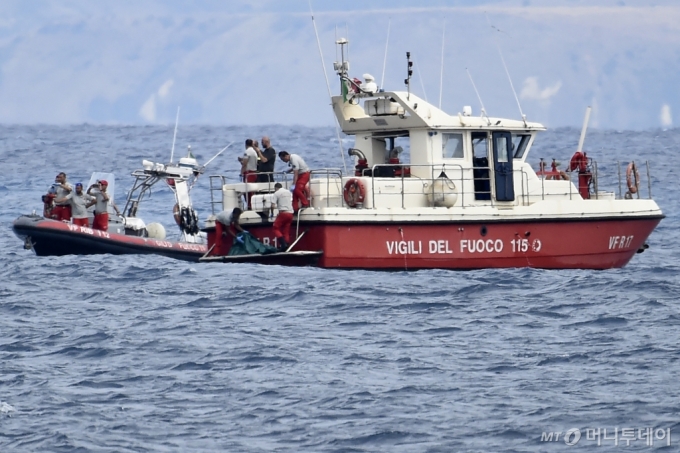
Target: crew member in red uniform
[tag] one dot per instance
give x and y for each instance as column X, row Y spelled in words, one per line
column 300, row 179
column 101, row 207
column 79, row 202
column 282, row 200
column 48, row 206
column 61, row 188
column 226, row 224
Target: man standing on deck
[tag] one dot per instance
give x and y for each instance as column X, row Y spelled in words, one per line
column 249, row 166
column 62, row 210
column 249, row 163
column 283, row 200
column 300, row 179
column 101, row 208
column 79, row 203
column 265, row 166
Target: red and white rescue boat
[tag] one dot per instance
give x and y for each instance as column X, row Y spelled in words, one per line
column 466, row 198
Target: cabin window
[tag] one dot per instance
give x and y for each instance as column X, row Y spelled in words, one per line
column 479, row 145
column 502, row 149
column 452, row 146
column 519, row 145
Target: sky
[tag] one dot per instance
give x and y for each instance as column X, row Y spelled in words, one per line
column 257, row 62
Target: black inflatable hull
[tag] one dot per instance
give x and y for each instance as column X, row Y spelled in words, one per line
column 51, row 238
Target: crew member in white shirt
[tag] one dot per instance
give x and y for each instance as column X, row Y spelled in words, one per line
column 101, row 207
column 249, row 163
column 79, row 202
column 249, row 166
column 300, row 179
column 282, row 200
column 226, row 223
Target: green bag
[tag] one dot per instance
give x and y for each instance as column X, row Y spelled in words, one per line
column 246, row 244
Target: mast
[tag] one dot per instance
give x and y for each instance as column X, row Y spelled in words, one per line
column 409, row 73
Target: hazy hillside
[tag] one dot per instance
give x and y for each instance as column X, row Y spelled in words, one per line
column 258, row 62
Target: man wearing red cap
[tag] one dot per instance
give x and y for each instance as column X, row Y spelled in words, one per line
column 101, row 207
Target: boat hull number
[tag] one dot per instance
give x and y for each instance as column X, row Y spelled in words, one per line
column 465, row 246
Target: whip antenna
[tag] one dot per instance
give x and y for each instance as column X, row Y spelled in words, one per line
column 524, row 118
column 221, row 151
column 328, row 85
column 382, row 80
column 422, row 84
column 174, row 136
column 441, row 75
column 488, row 122
column 583, row 130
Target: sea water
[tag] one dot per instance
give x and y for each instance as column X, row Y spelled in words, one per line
column 144, row 353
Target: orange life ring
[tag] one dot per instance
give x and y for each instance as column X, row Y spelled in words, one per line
column 632, row 178
column 176, row 214
column 354, row 192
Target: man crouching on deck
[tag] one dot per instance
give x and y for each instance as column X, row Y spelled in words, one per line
column 227, row 223
column 283, row 200
column 101, row 207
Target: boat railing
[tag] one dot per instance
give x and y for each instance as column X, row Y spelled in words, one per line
column 480, row 189
column 216, row 187
column 330, row 174
column 637, row 178
column 141, row 186
column 472, row 183
column 217, row 183
column 608, row 177
column 426, row 182
column 482, row 183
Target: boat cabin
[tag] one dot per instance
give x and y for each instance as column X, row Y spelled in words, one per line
column 485, row 157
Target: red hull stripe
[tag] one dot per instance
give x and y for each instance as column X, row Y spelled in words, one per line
column 584, row 244
column 114, row 238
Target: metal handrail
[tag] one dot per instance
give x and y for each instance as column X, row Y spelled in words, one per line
column 441, row 167
column 328, row 172
column 213, row 190
column 335, row 176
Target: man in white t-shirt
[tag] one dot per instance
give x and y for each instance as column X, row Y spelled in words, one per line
column 249, row 166
column 282, row 200
column 226, row 223
column 79, row 202
column 249, row 163
column 300, row 179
